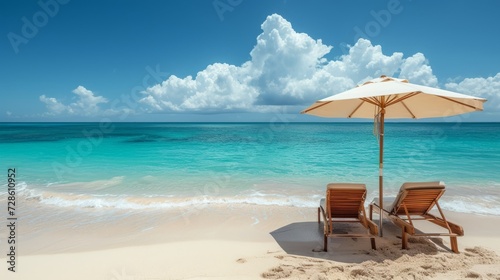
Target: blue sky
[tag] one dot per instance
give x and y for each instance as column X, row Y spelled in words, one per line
column 234, row 60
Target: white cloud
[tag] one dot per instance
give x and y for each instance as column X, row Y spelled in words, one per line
column 283, row 57
column 286, row 68
column 488, row 88
column 417, row 70
column 86, row 104
column 54, row 106
column 363, row 62
column 219, row 87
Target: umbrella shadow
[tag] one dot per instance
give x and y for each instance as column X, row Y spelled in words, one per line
column 306, row 239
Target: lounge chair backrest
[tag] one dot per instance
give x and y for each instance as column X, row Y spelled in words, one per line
column 417, row 197
column 345, row 200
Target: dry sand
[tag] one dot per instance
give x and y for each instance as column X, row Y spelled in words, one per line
column 251, row 242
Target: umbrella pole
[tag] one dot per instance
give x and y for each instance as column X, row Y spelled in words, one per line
column 381, row 170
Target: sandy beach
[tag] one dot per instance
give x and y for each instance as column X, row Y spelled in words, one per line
column 250, row 242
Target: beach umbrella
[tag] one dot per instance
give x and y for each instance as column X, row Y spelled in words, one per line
column 386, row 97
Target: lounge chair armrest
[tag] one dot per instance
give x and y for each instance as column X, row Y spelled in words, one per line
column 372, row 227
column 456, row 229
column 409, row 228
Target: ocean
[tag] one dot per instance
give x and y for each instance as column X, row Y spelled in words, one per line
column 106, row 169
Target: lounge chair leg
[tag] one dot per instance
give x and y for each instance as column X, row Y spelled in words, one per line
column 404, row 239
column 454, row 244
column 374, row 247
column 371, row 212
column 325, row 243
column 318, row 216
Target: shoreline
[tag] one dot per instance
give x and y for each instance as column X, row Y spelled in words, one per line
column 247, row 242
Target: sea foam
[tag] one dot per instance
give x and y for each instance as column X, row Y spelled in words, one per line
column 486, row 204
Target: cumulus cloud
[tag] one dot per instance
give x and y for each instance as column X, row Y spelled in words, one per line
column 286, row 68
column 282, row 57
column 55, row 107
column 86, row 104
column 220, row 87
column 488, row 88
column 417, row 70
column 363, row 62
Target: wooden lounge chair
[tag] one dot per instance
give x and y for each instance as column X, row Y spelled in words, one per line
column 413, row 202
column 344, row 203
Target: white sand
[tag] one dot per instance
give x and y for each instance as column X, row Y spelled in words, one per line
column 251, row 242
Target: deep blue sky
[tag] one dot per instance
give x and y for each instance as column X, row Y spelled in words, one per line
column 106, row 48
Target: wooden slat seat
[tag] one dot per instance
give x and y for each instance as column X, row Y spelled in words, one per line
column 344, row 203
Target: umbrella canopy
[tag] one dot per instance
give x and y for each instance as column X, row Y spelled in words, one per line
column 388, row 97
column 398, row 97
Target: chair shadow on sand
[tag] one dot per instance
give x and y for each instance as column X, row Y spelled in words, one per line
column 306, row 239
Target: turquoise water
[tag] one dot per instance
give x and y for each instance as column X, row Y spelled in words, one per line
column 161, row 165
